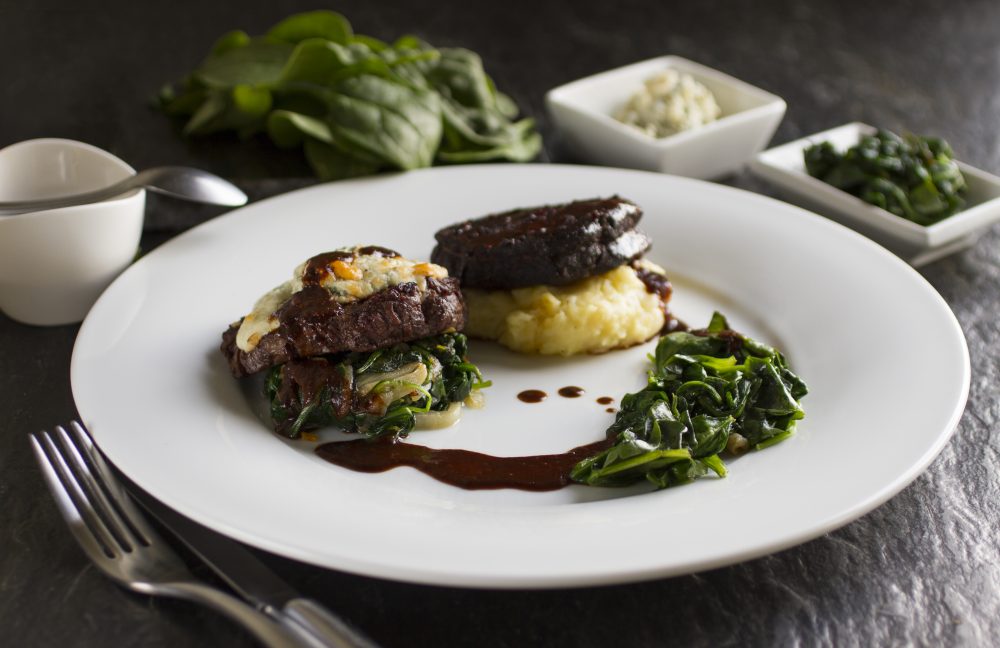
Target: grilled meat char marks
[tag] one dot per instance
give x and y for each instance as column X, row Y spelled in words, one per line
column 553, row 244
column 312, row 323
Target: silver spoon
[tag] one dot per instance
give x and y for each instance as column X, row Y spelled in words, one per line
column 178, row 182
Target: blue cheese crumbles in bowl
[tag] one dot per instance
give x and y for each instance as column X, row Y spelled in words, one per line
column 360, row 338
column 667, row 103
column 585, row 112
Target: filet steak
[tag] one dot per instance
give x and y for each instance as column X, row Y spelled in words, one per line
column 312, row 323
column 551, row 244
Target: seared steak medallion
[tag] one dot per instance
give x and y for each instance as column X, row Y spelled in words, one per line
column 552, row 245
column 311, row 323
column 358, row 299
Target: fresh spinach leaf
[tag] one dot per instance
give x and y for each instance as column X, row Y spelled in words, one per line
column 355, row 104
column 398, row 123
column 242, row 108
column 290, row 129
column 477, row 118
column 328, row 25
column 332, row 163
column 230, row 41
column 259, row 62
column 322, row 63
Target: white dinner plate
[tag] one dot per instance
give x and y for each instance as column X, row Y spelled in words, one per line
column 884, row 357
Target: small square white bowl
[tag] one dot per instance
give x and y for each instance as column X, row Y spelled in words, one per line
column 785, row 167
column 583, row 111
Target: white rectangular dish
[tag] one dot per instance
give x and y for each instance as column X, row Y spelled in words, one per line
column 918, row 244
column 583, row 111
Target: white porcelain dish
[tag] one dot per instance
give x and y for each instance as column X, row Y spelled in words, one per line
column 918, row 244
column 152, row 386
column 55, row 263
column 583, row 111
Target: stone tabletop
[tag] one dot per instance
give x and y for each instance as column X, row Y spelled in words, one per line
column 922, row 569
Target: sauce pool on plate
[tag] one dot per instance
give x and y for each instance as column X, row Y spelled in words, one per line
column 462, row 468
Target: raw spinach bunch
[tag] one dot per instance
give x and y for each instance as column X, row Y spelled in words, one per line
column 709, row 390
column 354, row 104
column 913, row 177
column 451, row 378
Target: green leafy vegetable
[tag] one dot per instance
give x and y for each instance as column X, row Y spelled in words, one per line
column 913, row 177
column 709, row 391
column 313, row 24
column 369, row 392
column 355, row 105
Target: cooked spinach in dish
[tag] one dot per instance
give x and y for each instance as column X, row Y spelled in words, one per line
column 388, row 391
column 710, row 391
column 354, row 104
column 911, row 176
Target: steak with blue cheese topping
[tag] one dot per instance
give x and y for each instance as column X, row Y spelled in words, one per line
column 357, row 299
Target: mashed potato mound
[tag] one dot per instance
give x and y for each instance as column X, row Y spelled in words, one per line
column 609, row 311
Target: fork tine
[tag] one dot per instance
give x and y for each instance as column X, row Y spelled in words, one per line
column 95, row 495
column 109, row 485
column 89, row 532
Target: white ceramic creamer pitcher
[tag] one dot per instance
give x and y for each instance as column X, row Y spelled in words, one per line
column 55, row 263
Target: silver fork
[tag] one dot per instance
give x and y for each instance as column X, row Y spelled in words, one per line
column 116, row 536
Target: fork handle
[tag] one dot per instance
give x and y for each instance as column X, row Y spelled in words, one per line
column 257, row 623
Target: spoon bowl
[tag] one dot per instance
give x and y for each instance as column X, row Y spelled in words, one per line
column 191, row 184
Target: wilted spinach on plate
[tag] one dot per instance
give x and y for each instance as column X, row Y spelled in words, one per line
column 354, row 104
column 913, row 177
column 450, row 378
column 710, row 391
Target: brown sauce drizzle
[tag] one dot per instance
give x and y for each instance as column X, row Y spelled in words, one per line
column 571, row 391
column 655, row 283
column 462, row 468
column 611, row 410
column 659, row 285
column 605, row 400
column 318, row 267
column 303, row 379
column 532, row 396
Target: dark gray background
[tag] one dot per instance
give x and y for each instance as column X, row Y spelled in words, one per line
column 920, row 570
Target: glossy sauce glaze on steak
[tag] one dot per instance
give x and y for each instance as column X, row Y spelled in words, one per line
column 552, row 244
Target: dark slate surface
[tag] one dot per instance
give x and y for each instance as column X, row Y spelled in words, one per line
column 923, row 569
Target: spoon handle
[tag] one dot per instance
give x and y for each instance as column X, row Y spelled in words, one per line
column 9, row 208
